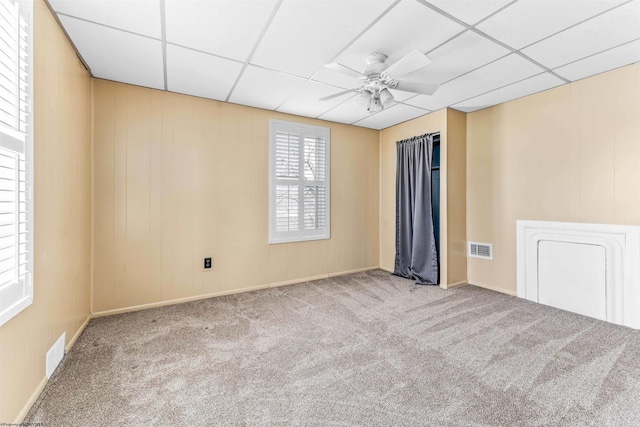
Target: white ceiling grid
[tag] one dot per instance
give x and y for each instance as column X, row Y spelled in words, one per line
column 270, row 53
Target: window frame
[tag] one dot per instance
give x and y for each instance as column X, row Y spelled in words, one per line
column 303, row 130
column 24, row 214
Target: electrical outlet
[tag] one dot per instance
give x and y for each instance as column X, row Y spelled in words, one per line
column 207, row 263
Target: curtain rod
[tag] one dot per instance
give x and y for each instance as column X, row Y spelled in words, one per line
column 415, row 138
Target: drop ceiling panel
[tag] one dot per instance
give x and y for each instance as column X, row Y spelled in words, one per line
column 337, row 79
column 350, row 112
column 142, row 16
column 251, row 88
column 470, row 11
column 465, row 53
column 614, row 58
column 391, row 116
column 347, row 112
column 117, row 55
column 517, row 90
column 199, row 74
column 304, row 35
column 401, row 96
column 408, row 26
column 499, row 73
column 223, row 27
column 513, row 25
column 608, row 30
column 120, row 41
column 306, row 101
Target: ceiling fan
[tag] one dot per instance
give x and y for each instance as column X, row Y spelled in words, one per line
column 378, row 78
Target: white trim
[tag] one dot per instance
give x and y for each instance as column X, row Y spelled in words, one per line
column 454, row 285
column 36, row 393
column 32, row 399
column 230, row 292
column 17, row 307
column 79, row 332
column 493, row 288
column 19, row 140
column 300, row 235
column 293, row 239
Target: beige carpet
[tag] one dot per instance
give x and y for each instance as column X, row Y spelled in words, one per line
column 366, row 349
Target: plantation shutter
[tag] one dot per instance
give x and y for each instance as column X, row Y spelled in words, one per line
column 16, row 291
column 299, row 179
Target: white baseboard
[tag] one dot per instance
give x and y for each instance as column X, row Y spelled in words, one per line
column 75, row 336
column 357, row 270
column 493, row 288
column 133, row 308
column 36, row 393
column 222, row 293
column 34, row 396
column 456, row 285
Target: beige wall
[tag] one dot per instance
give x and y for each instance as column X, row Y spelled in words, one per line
column 62, row 218
column 567, row 154
column 178, row 178
column 456, row 208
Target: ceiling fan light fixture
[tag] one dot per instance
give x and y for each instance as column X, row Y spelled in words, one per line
column 386, row 97
column 376, row 105
column 364, row 99
column 379, row 78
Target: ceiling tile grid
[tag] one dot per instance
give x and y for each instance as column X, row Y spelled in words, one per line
column 225, row 28
column 305, row 35
column 117, row 55
column 408, row 26
column 196, row 73
column 270, row 53
column 306, row 100
column 391, row 116
column 470, row 12
column 495, row 75
column 618, row 26
column 510, row 92
column 140, row 17
column 513, row 26
column 616, row 57
column 347, row 112
column 251, row 89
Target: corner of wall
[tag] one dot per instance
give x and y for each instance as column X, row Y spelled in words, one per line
column 92, row 141
column 457, row 197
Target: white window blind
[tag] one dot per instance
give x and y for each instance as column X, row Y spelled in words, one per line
column 299, row 182
column 16, row 143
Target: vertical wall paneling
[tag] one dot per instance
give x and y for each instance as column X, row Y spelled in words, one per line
column 568, row 154
column 62, row 236
column 179, row 178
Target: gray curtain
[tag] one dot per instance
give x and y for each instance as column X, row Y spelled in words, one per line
column 416, row 254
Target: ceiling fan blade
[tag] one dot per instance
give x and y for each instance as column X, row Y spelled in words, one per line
column 424, row 88
column 344, row 70
column 335, row 95
column 410, row 62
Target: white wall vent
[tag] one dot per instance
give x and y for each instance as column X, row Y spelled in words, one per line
column 55, row 355
column 480, row 250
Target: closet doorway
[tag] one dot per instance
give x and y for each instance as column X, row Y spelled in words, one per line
column 435, row 193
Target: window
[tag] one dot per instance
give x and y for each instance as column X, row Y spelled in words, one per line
column 16, row 153
column 298, row 182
